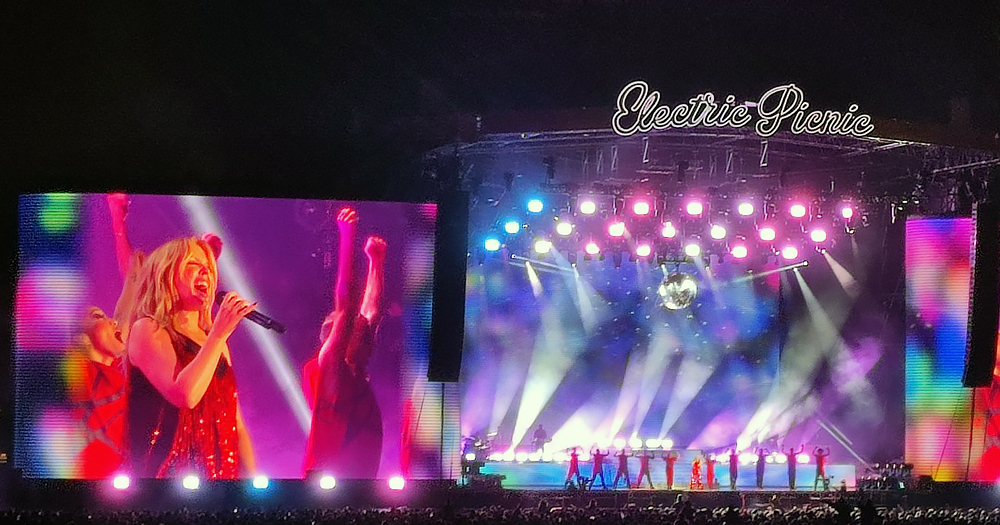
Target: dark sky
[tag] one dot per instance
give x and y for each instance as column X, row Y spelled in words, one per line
column 209, row 96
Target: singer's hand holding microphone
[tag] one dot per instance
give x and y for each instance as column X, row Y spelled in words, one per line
column 240, row 308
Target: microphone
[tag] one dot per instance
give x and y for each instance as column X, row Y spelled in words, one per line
column 254, row 316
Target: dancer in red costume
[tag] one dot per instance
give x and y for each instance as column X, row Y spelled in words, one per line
column 710, row 472
column 821, row 455
column 185, row 359
column 622, row 470
column 734, row 471
column 345, row 438
column 598, row 467
column 671, row 458
column 792, row 460
column 574, row 466
column 644, row 458
column 696, row 481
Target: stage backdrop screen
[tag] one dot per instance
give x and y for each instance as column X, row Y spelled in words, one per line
column 74, row 256
column 945, row 422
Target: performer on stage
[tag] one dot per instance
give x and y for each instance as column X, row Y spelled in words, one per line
column 345, row 438
column 185, row 360
column 696, row 481
column 734, row 470
column 598, row 467
column 574, row 466
column 820, row 454
column 539, row 438
column 644, row 458
column 792, row 461
column 671, row 459
column 761, row 463
column 710, row 471
column 622, row 470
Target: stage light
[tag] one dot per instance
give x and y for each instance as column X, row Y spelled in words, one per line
column 668, row 231
column 327, row 482
column 397, row 483
column 802, row 458
column 535, row 206
column 667, row 443
column 747, row 458
column 767, row 234
column 718, row 232
column 769, row 458
column 191, row 482
column 512, row 227
column 780, row 459
column 789, row 253
column 261, row 482
column 818, row 235
column 745, row 209
column 592, row 248
column 739, row 251
column 640, row 208
column 121, row 482
column 677, row 291
column 643, row 250
column 543, row 246
column 692, row 250
column 588, row 207
column 616, row 229
column 652, row 443
column 635, row 442
column 496, row 456
column 564, row 228
column 471, row 456
column 509, row 455
column 547, row 457
column 847, row 211
column 619, row 443
column 491, row 244
column 797, row 210
column 695, row 208
column 560, row 457
column 521, row 457
column 535, row 456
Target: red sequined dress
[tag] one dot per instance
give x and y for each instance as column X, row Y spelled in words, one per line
column 206, row 441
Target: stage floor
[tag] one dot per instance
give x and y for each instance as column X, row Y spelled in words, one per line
column 552, row 476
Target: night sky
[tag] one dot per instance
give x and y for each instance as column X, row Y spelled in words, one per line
column 305, row 96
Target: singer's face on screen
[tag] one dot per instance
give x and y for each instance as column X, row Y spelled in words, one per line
column 195, row 280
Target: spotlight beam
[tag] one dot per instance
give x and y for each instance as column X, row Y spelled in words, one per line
column 203, row 218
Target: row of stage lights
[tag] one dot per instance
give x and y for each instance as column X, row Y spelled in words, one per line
column 649, row 231
column 744, row 458
column 192, row 482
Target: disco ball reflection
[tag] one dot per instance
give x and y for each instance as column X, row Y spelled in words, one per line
column 678, row 291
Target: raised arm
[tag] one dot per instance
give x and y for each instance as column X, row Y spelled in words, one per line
column 335, row 342
column 151, row 350
column 375, row 249
column 118, row 205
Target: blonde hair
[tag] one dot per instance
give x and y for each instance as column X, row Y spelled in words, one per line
column 156, row 295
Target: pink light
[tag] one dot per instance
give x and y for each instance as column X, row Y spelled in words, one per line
column 797, row 210
column 397, row 483
column 767, row 233
column 695, row 208
column 643, row 250
column 745, row 209
column 592, row 248
column 789, row 253
column 641, row 208
column 616, row 229
column 668, row 230
column 847, row 211
column 818, row 235
column 739, row 251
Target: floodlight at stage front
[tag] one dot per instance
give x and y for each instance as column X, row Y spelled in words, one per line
column 564, row 228
column 695, row 208
column 847, row 211
column 492, row 244
column 121, row 482
column 652, row 443
column 543, row 246
column 560, row 457
column 692, row 250
column 535, row 206
column 588, row 207
column 616, row 229
column 512, row 227
column 739, row 251
column 718, row 232
column 745, row 209
column 643, row 250
column 667, row 443
column 802, row 458
column 261, row 482
column 789, row 253
column 818, row 235
column 635, row 442
column 640, row 208
column 521, row 457
column 592, row 248
column 767, row 233
column 327, row 482
column 619, row 443
column 397, row 483
column 797, row 210
column 191, row 482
